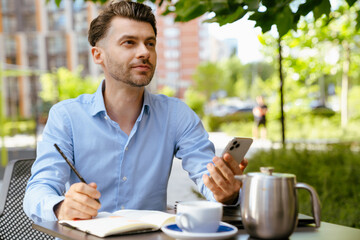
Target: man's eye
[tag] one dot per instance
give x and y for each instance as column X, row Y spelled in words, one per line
column 129, row 42
column 151, row 44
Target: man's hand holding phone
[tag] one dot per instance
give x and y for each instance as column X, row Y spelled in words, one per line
column 221, row 181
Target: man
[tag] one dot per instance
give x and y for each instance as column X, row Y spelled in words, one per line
column 122, row 139
column 259, row 112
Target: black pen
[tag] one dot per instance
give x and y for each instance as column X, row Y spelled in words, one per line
column 72, row 166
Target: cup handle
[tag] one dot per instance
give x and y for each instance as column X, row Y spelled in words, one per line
column 316, row 208
column 182, row 221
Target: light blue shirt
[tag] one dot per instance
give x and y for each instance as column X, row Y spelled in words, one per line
column 132, row 171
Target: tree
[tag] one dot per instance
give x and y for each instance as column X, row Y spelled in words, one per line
column 338, row 32
column 207, row 78
column 284, row 14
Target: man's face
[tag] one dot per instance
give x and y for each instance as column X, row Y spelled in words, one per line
column 129, row 51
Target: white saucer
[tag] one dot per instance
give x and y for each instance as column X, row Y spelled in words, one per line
column 225, row 230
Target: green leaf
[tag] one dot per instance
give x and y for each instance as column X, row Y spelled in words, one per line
column 58, row 2
column 189, row 13
column 358, row 21
column 264, row 20
column 284, row 21
column 252, row 4
column 224, row 19
column 269, row 3
column 350, row 2
column 219, row 8
column 323, row 8
column 307, row 7
column 167, row 11
column 261, row 39
column 188, row 10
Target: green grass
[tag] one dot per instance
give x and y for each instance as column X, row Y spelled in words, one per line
column 334, row 173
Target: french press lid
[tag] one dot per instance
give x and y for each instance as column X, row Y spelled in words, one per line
column 269, row 172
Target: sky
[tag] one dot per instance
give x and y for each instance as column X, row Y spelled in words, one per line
column 246, row 34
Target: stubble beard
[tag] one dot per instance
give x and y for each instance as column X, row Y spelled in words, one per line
column 123, row 74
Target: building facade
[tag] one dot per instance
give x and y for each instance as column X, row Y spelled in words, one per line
column 42, row 36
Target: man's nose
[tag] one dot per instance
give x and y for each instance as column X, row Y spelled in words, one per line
column 143, row 51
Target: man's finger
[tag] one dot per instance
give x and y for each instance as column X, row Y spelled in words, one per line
column 210, row 184
column 243, row 165
column 218, row 177
column 89, row 190
column 233, row 165
column 223, row 169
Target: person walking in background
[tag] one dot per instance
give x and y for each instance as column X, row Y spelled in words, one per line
column 260, row 118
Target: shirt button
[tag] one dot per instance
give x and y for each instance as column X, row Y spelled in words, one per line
column 124, row 179
column 126, row 148
column 106, row 117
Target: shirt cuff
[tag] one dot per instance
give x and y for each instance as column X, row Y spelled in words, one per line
column 49, row 214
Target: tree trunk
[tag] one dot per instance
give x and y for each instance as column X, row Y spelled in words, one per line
column 345, row 85
column 281, row 95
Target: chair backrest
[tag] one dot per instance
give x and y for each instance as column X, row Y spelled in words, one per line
column 14, row 224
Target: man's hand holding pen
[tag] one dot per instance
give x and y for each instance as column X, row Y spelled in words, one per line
column 82, row 199
column 79, row 203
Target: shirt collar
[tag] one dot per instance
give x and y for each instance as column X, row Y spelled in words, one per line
column 99, row 105
column 147, row 101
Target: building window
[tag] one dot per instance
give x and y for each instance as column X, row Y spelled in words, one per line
column 171, row 54
column 79, row 5
column 10, row 45
column 8, row 5
column 9, row 24
column 171, row 32
column 172, row 75
column 172, row 43
column 168, row 20
column 172, row 64
column 80, row 21
column 29, row 22
column 56, row 44
column 32, row 44
column 12, row 96
column 84, row 62
column 57, row 21
column 33, row 61
column 82, row 43
column 32, row 50
column 28, row 6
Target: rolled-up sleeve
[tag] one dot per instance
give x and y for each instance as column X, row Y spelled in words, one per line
column 193, row 147
column 49, row 173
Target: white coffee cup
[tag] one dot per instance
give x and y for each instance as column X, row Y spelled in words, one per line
column 199, row 216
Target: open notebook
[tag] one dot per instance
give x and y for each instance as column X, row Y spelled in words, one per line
column 122, row 222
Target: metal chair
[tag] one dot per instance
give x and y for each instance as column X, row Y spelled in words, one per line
column 14, row 224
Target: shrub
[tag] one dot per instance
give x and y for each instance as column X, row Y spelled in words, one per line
column 196, row 101
column 168, row 91
column 215, row 123
column 334, row 173
column 25, row 126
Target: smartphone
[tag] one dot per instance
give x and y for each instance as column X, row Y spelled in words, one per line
column 238, row 147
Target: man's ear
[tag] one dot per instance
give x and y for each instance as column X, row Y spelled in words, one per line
column 97, row 54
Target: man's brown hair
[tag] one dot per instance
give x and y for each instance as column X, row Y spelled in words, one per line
column 127, row 9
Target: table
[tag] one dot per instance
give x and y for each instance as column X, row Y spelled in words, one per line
column 327, row 231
